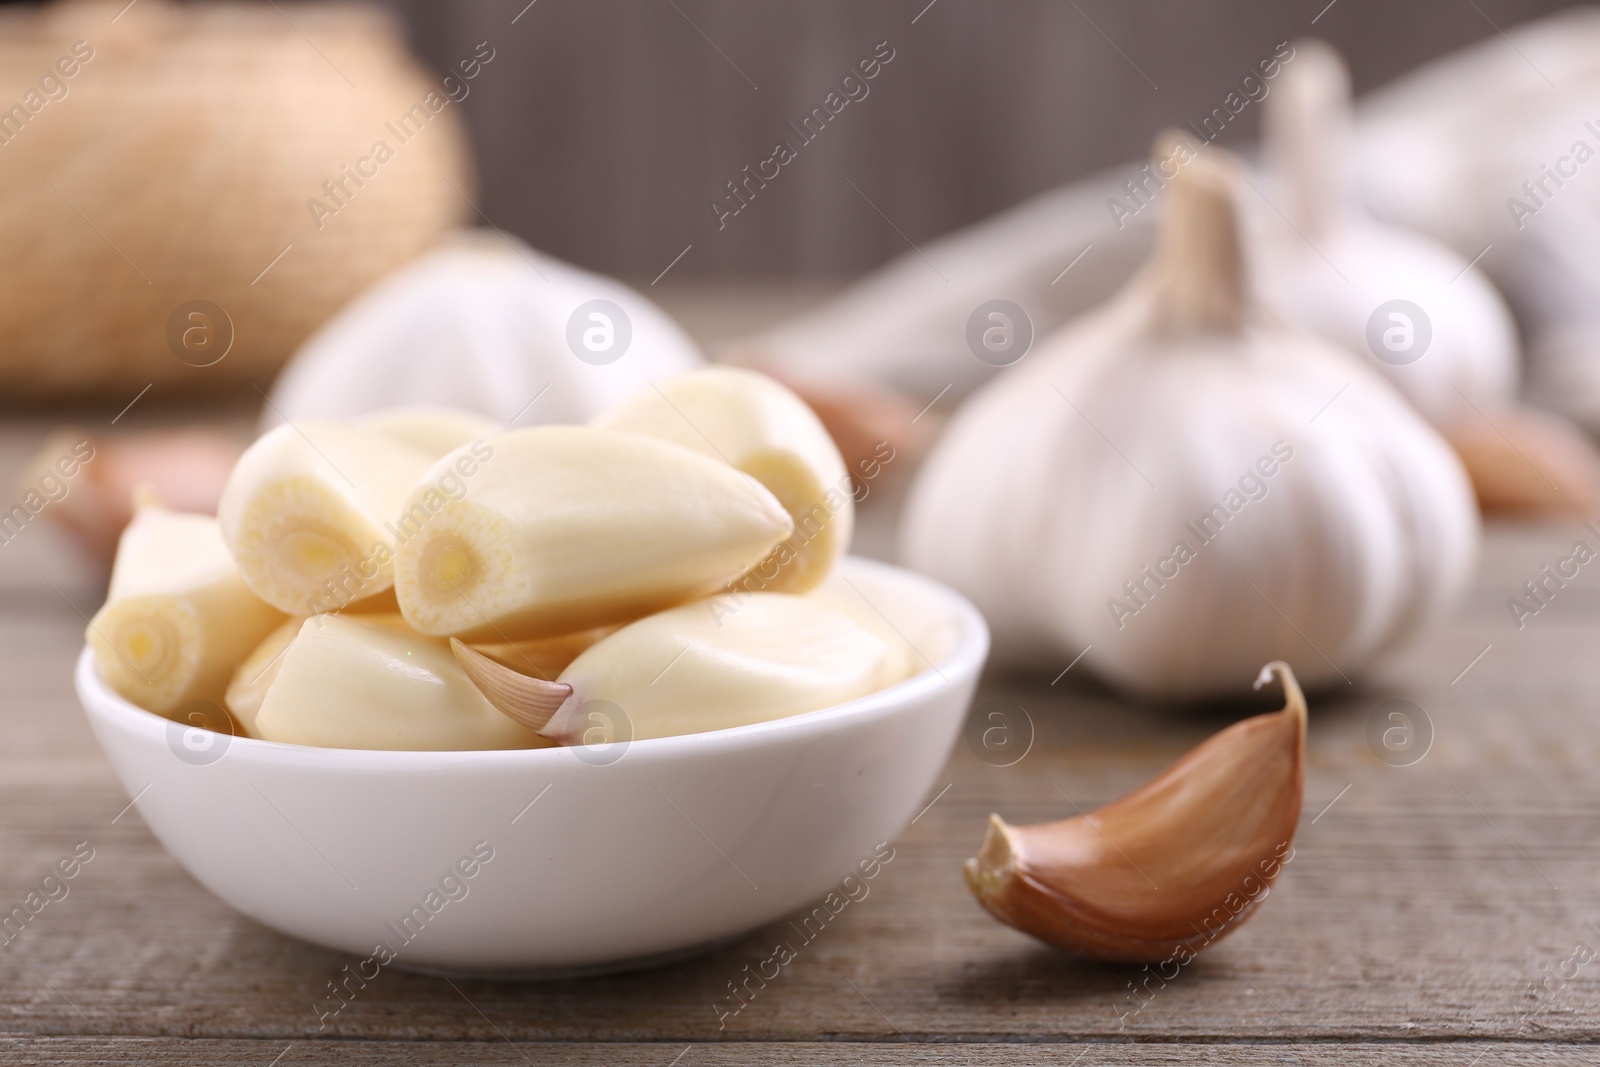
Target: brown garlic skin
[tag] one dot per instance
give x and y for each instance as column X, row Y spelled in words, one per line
column 1528, row 461
column 1169, row 868
column 529, row 701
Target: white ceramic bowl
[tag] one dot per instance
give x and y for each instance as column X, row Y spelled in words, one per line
column 600, row 859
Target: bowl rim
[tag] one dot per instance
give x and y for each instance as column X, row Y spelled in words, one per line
column 966, row 655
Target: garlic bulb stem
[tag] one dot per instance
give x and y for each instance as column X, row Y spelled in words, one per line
column 1308, row 135
column 1199, row 270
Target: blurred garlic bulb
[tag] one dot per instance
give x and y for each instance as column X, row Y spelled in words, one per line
column 486, row 326
column 1331, row 269
column 1429, row 320
column 1179, row 487
column 431, row 430
column 1491, row 150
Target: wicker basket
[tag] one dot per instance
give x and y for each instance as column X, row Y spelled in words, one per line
column 160, row 181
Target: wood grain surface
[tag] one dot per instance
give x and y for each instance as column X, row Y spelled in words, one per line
column 1437, row 913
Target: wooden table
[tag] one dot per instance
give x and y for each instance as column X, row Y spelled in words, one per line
column 1424, row 907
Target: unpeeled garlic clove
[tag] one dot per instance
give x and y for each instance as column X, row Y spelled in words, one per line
column 760, row 427
column 563, row 528
column 1522, row 459
column 543, row 657
column 1172, row 866
column 96, row 477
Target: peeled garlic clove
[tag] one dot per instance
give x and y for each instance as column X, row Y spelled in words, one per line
column 867, row 420
column 432, row 430
column 563, row 528
column 357, row 683
column 1172, row 866
column 309, row 511
column 1521, row 459
column 255, row 675
column 702, row 666
column 760, row 427
column 902, row 660
column 178, row 616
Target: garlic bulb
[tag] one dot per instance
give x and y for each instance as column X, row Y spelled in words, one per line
column 1330, row 268
column 1434, row 325
column 1179, row 487
column 487, row 326
column 178, row 616
column 431, row 430
column 1491, row 150
column 761, row 428
column 358, row 683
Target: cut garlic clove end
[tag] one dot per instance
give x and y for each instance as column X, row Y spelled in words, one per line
column 178, row 616
column 1169, row 868
column 308, row 513
column 526, row 700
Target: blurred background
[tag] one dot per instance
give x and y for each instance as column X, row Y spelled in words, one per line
column 190, row 193
column 608, row 127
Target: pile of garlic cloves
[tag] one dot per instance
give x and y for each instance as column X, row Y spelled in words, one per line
column 427, row 579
